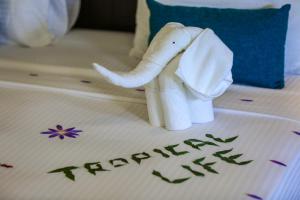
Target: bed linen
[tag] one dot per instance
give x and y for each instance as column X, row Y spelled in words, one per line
column 74, row 53
column 111, row 133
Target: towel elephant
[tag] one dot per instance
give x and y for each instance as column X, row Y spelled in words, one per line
column 183, row 70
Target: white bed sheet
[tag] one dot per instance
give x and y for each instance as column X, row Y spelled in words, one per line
column 40, row 88
column 74, row 53
column 68, row 62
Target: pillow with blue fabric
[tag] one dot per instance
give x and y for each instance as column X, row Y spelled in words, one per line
column 257, row 37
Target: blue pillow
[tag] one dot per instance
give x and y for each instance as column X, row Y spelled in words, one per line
column 257, row 37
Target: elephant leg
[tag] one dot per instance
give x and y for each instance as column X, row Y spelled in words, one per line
column 173, row 99
column 153, row 103
column 201, row 111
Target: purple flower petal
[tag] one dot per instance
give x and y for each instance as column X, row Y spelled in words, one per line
column 47, row 132
column 71, row 133
column 246, row 100
column 71, row 136
column 254, row 196
column 69, row 129
column 279, row 163
column 296, row 132
column 6, row 165
column 54, row 135
column 59, row 127
column 61, row 137
column 75, row 131
column 53, row 130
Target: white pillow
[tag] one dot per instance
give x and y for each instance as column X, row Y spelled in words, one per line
column 36, row 23
column 292, row 55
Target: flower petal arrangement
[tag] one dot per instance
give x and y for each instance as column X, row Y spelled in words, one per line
column 61, row 132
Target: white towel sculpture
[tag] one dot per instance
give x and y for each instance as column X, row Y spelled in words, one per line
column 183, row 70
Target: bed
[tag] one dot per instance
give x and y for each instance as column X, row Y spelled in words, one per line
column 66, row 134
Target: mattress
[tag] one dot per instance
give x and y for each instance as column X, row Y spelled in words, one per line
column 66, row 134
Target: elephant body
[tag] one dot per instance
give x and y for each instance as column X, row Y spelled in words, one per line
column 181, row 108
column 183, row 69
column 170, row 104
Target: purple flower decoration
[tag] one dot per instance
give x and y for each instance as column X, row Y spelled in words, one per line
column 253, row 196
column 278, row 163
column 6, row 165
column 247, row 100
column 61, row 133
column 296, row 132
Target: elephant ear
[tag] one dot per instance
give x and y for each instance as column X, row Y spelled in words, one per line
column 205, row 66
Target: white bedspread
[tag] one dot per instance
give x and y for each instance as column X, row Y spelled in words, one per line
column 113, row 153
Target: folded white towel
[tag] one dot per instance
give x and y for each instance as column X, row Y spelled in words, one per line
column 193, row 79
column 193, row 67
column 154, row 108
column 36, row 23
column 205, row 67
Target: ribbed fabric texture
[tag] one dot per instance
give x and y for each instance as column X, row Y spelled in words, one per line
column 114, row 125
column 113, row 129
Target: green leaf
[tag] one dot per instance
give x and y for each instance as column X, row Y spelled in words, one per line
column 210, row 143
column 220, row 139
column 118, row 160
column 224, row 152
column 207, row 167
column 138, row 157
column 67, row 172
column 210, row 169
column 210, row 136
column 94, row 167
column 211, row 163
column 171, row 149
column 176, row 181
column 245, row 162
column 214, row 138
column 190, row 142
column 161, row 153
column 231, row 139
column 235, row 156
column 196, row 173
column 225, row 159
column 198, row 161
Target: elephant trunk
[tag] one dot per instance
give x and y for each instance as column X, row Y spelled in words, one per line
column 145, row 72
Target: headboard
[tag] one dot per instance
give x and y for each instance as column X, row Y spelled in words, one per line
column 107, row 14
